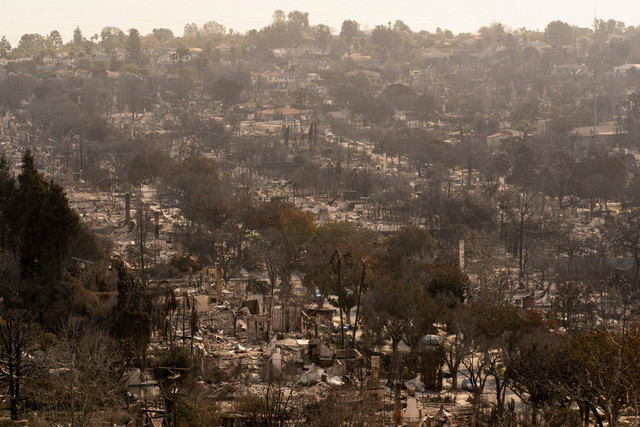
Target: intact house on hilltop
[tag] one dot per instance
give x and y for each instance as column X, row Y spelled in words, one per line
column 609, row 135
column 286, row 113
column 498, row 139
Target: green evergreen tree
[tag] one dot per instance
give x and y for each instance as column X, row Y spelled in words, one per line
column 7, row 194
column 134, row 50
column 29, row 196
column 5, row 47
column 45, row 224
column 58, row 225
column 77, row 36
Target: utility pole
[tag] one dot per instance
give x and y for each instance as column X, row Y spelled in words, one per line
column 141, row 227
column 81, row 157
column 360, row 288
column 595, row 66
column 133, row 109
column 336, row 259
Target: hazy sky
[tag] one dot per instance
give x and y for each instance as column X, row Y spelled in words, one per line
column 41, row 16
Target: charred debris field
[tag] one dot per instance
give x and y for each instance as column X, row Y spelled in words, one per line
column 302, row 225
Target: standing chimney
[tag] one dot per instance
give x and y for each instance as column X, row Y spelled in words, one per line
column 205, row 341
column 157, row 226
column 218, row 270
column 375, row 369
column 398, row 405
column 127, row 208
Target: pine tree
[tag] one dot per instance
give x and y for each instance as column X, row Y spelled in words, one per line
column 7, row 194
column 5, row 47
column 29, row 196
column 77, row 36
column 133, row 46
column 45, row 224
column 59, row 224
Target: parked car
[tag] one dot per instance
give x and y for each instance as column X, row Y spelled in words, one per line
column 431, row 340
column 346, row 328
column 469, row 386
